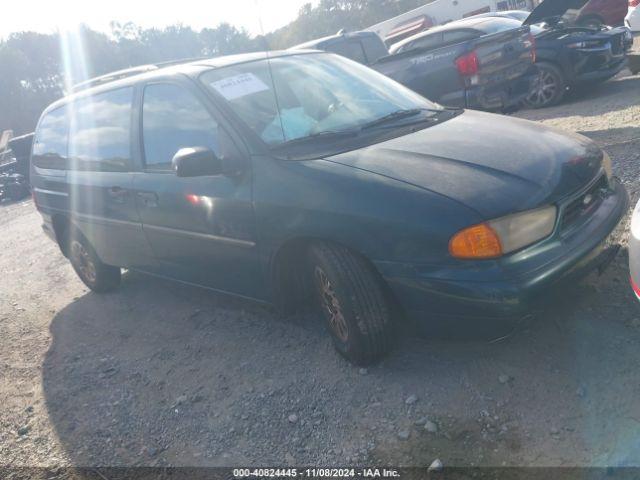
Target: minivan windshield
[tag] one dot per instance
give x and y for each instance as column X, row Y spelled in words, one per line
column 310, row 96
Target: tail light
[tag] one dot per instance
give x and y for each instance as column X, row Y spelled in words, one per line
column 634, row 3
column 532, row 39
column 468, row 64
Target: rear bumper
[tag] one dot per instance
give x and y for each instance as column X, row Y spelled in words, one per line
column 511, row 292
column 503, row 96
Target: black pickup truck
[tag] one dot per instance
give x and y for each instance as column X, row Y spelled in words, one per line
column 462, row 64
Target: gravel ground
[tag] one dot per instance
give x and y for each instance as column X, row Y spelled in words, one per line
column 162, row 374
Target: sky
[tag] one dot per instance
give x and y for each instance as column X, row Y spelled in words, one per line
column 50, row 15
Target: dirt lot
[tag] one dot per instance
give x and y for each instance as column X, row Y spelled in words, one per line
column 162, row 374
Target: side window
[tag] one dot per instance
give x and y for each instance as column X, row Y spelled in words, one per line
column 457, row 36
column 100, row 137
column 427, row 42
column 351, row 49
column 50, row 146
column 173, row 118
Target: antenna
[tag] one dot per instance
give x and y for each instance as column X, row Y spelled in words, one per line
column 273, row 83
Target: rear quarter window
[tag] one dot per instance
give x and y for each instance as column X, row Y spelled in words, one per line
column 50, row 145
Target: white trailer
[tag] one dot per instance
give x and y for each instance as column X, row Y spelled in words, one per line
column 440, row 12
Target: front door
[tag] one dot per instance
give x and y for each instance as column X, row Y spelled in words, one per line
column 201, row 229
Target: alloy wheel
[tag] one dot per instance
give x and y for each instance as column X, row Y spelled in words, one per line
column 83, row 261
column 545, row 90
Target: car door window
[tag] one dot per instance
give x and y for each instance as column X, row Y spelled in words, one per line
column 427, row 42
column 100, row 135
column 173, row 118
column 458, row 36
column 52, row 137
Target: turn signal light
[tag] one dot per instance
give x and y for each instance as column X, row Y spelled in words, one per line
column 478, row 241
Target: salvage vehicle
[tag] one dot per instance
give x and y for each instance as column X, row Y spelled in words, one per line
column 632, row 20
column 13, row 186
column 472, row 66
column 569, row 56
column 284, row 175
column 597, row 13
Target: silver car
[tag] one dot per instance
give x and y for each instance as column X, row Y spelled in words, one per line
column 634, row 250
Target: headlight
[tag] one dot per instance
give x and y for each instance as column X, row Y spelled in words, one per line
column 503, row 235
column 585, row 44
column 606, row 165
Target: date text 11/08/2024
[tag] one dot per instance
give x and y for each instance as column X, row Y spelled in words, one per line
column 316, row 472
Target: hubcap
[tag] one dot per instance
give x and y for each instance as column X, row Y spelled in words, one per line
column 331, row 305
column 83, row 261
column 545, row 89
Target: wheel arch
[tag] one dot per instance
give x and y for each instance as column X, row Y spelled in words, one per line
column 287, row 266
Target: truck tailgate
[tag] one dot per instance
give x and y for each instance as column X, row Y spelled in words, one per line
column 502, row 57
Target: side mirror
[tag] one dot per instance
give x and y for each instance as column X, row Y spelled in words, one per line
column 196, row 162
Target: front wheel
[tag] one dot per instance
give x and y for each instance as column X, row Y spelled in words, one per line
column 353, row 303
column 94, row 274
column 550, row 87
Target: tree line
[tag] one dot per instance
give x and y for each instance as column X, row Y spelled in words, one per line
column 33, row 65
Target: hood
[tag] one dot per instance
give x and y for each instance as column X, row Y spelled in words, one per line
column 570, row 9
column 493, row 164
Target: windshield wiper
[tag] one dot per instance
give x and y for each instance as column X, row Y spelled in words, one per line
column 320, row 136
column 397, row 115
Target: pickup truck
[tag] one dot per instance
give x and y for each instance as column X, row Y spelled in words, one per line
column 462, row 64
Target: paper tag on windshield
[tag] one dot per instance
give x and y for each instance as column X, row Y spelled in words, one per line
column 239, row 86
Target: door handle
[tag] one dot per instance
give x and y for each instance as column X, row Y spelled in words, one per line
column 118, row 194
column 148, row 199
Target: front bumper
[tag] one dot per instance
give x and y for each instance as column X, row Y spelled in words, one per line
column 515, row 284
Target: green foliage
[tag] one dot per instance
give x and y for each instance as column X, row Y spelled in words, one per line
column 33, row 64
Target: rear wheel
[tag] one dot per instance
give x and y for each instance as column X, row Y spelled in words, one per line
column 550, row 87
column 94, row 274
column 353, row 303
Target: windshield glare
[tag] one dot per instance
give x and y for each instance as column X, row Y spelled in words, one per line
column 309, row 94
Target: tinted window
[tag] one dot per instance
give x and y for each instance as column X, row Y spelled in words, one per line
column 351, row 49
column 100, row 136
column 50, row 147
column 375, row 48
column 457, row 36
column 495, row 25
column 426, row 42
column 173, row 118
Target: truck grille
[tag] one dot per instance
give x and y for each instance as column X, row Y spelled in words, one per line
column 617, row 45
column 585, row 204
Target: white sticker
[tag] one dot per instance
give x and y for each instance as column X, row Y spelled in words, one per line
column 239, row 86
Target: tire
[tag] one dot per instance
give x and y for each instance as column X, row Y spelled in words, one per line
column 550, row 87
column 353, row 303
column 99, row 277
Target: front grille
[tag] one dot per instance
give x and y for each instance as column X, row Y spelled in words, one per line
column 585, row 204
column 617, row 45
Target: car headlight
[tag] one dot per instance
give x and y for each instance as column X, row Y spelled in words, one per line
column 585, row 44
column 498, row 237
column 606, row 165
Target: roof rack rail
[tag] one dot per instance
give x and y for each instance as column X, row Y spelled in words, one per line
column 128, row 72
column 110, row 77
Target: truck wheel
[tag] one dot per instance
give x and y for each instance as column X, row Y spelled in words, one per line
column 94, row 274
column 550, row 87
column 353, row 303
